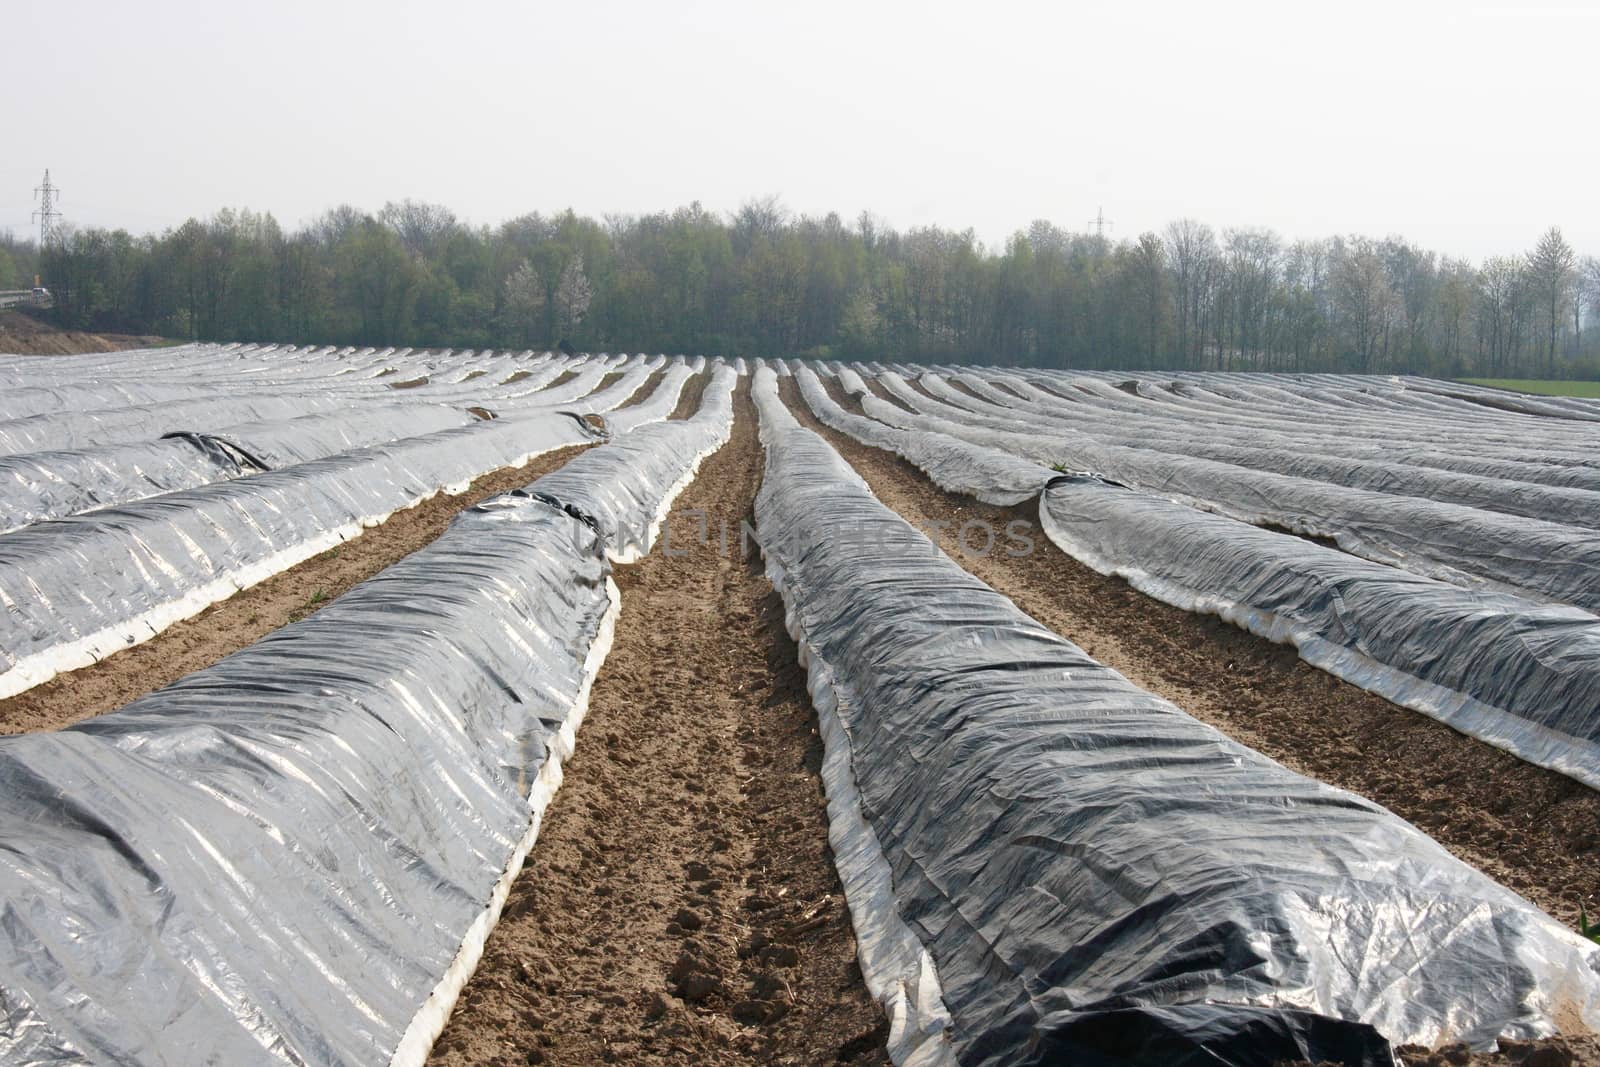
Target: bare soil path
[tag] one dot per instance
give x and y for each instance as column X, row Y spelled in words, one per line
column 23, row 335
column 681, row 904
column 251, row 614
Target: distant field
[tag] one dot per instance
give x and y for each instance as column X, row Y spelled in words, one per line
column 1540, row 386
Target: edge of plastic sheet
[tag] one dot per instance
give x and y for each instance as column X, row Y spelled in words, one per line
column 429, row 1021
column 42, row 666
column 895, row 965
column 634, row 553
column 1532, row 742
column 714, row 444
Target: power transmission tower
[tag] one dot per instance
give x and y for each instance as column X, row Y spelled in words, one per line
column 47, row 214
column 1100, row 222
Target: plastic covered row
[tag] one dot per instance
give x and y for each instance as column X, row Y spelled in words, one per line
column 1475, row 480
column 626, row 487
column 1096, row 877
column 38, row 486
column 1461, row 545
column 1285, row 454
column 295, row 856
column 77, row 589
column 659, row 405
column 957, row 466
column 1473, row 433
column 1283, row 403
column 357, row 792
column 1518, row 674
column 1310, row 438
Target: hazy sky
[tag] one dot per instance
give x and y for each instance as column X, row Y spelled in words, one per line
column 1468, row 127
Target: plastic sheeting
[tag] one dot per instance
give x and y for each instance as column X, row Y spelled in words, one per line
column 623, row 486
column 294, row 856
column 80, row 588
column 1465, row 546
column 50, row 485
column 98, row 428
column 990, row 475
column 1282, row 453
column 1520, row 675
column 851, row 381
column 354, row 793
column 1099, row 878
column 659, row 405
column 1327, row 416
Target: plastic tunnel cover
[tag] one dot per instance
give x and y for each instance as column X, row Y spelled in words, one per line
column 626, row 486
column 82, row 587
column 293, row 856
column 1100, row 878
column 1521, row 675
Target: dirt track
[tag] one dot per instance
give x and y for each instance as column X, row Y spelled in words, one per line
column 250, row 615
column 681, row 904
column 1533, row 830
column 23, row 335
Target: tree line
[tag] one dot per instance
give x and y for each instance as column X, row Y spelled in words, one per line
column 764, row 282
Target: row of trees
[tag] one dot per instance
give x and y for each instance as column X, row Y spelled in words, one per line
column 761, row 282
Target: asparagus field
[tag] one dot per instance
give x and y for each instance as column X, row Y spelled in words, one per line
column 391, row 707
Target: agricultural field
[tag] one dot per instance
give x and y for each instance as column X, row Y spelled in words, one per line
column 401, row 707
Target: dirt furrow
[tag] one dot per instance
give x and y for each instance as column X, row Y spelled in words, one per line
column 1535, row 831
column 681, row 905
column 250, row 615
column 694, row 390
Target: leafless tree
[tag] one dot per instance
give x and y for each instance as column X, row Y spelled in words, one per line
column 1552, row 270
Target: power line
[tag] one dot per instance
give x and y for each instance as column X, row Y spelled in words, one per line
column 47, row 215
column 1099, row 222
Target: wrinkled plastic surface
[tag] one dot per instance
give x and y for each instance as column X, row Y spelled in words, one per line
column 279, row 858
column 626, row 486
column 659, row 405
column 1493, row 486
column 39, row 486
column 1521, row 675
column 1466, row 546
column 353, row 795
column 957, row 466
column 79, row 588
column 1077, row 854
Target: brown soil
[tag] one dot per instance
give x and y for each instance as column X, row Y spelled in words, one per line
column 641, row 394
column 681, row 904
column 1548, row 1052
column 878, row 390
column 23, row 335
column 410, row 384
column 693, row 391
column 1535, row 831
column 250, row 615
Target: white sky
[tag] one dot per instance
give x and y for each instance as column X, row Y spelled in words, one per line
column 1468, row 127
